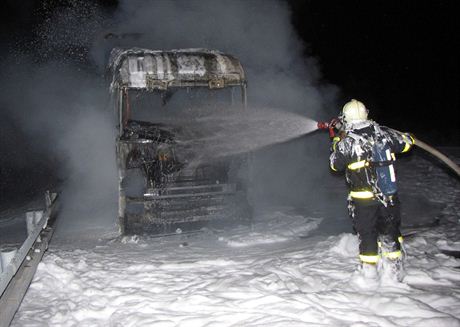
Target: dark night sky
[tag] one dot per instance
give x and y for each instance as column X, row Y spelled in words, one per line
column 400, row 57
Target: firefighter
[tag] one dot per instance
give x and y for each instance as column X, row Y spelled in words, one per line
column 366, row 152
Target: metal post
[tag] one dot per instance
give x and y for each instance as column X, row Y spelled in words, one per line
column 6, row 257
column 120, row 112
column 244, row 95
column 32, row 219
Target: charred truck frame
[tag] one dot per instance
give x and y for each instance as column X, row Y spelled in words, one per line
column 163, row 185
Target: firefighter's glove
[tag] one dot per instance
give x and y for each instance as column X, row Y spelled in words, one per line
column 411, row 137
column 408, row 140
column 335, row 140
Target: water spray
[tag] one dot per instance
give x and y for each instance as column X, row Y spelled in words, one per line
column 335, row 125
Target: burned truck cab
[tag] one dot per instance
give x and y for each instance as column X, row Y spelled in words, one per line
column 165, row 184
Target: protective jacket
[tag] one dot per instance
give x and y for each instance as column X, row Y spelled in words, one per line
column 367, row 153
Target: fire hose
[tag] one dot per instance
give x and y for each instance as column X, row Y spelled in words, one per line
column 452, row 165
column 333, row 124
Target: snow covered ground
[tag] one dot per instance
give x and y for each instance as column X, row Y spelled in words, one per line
column 280, row 272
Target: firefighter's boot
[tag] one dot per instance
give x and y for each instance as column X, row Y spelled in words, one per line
column 369, row 270
column 392, row 263
column 395, row 269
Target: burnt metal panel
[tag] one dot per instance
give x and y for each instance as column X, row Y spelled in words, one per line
column 155, row 69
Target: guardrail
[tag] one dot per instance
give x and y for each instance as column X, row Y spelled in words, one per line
column 18, row 266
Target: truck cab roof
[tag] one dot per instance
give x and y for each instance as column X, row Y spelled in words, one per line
column 157, row 69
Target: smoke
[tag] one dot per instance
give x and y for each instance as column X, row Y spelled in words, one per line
column 280, row 76
column 63, row 114
column 56, row 95
column 259, row 33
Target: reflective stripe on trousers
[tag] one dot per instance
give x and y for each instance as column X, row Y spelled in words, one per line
column 362, row 194
column 392, row 255
column 369, row 258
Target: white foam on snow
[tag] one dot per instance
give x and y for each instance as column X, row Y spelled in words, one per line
column 247, row 276
column 268, row 229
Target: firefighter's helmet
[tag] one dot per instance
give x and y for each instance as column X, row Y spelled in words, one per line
column 354, row 111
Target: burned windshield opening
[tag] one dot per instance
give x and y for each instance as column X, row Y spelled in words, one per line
column 179, row 104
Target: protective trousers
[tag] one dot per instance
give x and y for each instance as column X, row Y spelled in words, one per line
column 377, row 224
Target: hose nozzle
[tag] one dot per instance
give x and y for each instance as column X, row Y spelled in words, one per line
column 329, row 126
column 323, row 125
